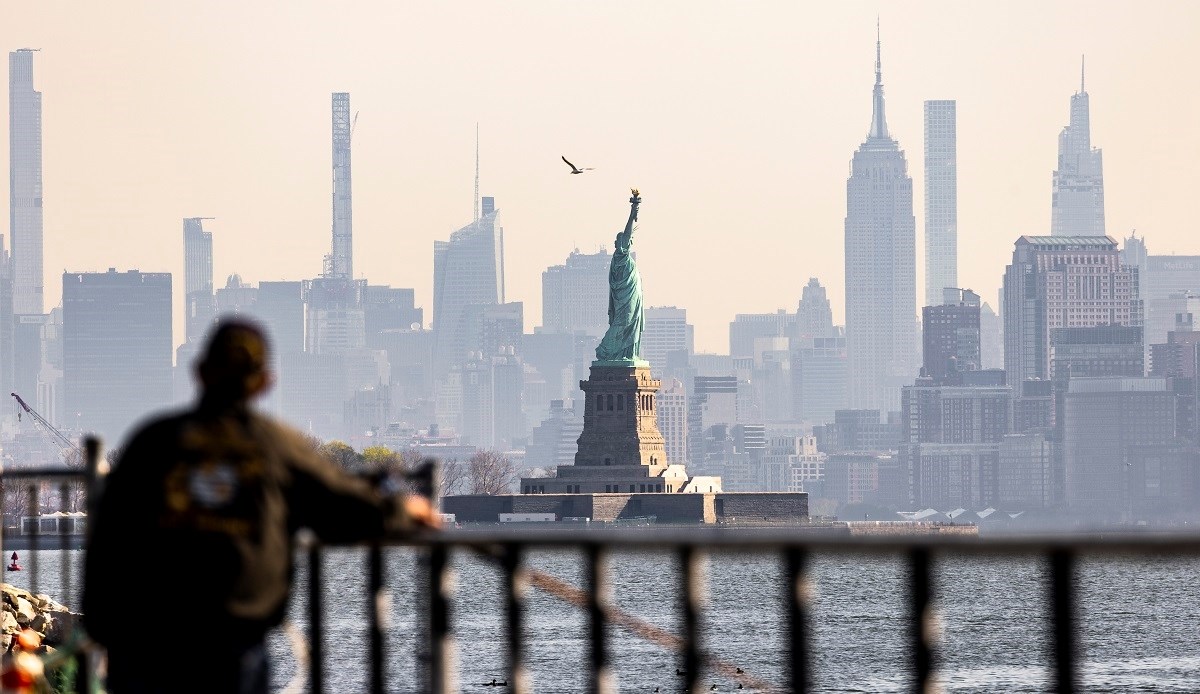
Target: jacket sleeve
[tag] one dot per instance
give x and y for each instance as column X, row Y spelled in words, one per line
column 336, row 505
column 113, row 520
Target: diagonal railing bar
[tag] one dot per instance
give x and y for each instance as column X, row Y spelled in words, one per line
column 581, row 598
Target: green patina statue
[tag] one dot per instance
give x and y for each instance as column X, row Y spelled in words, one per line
column 622, row 342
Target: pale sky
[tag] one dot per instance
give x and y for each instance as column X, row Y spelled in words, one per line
column 736, row 120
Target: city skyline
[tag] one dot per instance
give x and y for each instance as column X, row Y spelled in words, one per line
column 119, row 178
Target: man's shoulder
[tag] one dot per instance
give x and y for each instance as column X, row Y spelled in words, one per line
column 160, row 425
column 280, row 431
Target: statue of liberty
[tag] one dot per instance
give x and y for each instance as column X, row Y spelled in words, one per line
column 622, row 342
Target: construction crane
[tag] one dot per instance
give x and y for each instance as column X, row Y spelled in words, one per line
column 64, row 443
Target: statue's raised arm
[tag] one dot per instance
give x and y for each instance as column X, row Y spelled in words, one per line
column 625, row 238
column 622, row 341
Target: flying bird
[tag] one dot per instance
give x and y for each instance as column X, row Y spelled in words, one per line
column 576, row 169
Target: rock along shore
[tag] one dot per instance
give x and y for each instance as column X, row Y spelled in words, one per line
column 24, row 610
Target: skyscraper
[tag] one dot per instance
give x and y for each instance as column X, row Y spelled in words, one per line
column 814, row 318
column 881, row 297
column 334, row 318
column 468, row 270
column 572, row 296
column 116, row 349
column 25, row 183
column 667, row 331
column 941, row 199
column 197, row 278
column 1077, row 206
column 950, row 336
column 342, row 257
column 1061, row 282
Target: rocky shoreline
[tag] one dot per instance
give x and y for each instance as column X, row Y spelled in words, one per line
column 41, row 613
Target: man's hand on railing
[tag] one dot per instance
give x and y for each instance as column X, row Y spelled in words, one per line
column 421, row 512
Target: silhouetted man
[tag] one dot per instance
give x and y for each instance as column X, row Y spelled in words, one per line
column 189, row 561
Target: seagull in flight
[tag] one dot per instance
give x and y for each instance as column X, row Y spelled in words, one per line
column 576, row 169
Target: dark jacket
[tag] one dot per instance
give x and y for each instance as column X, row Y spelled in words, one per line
column 196, row 523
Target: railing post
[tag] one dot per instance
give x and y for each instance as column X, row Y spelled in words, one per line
column 441, row 645
column 1062, row 615
column 598, row 596
column 797, row 602
column 35, row 503
column 316, row 647
column 693, row 594
column 515, row 583
column 924, row 623
column 377, row 606
column 86, row 679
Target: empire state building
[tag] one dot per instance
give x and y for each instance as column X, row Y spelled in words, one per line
column 881, row 341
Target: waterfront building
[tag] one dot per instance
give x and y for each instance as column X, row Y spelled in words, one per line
column 941, row 199
column 951, row 336
column 1077, row 203
column 116, row 349
column 571, row 297
column 25, row 185
column 1026, row 473
column 880, row 236
column 857, row 478
column 1121, row 453
column 950, row 440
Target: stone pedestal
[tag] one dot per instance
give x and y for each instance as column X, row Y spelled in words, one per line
column 621, row 448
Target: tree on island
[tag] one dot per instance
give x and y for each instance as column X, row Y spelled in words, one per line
column 491, row 473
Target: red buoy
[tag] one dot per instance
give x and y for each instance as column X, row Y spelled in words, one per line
column 14, row 566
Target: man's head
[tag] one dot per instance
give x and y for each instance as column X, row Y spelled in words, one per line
column 234, row 365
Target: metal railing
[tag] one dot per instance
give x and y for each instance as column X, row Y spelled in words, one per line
column 508, row 549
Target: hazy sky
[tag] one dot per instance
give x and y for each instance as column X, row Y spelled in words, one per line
column 736, row 120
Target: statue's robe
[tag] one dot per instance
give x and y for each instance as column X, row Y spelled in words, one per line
column 623, row 339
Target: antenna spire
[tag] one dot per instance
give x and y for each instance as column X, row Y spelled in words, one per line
column 878, row 120
column 1082, row 65
column 878, row 53
column 475, row 202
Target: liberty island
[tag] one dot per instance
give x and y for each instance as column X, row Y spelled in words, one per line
column 621, row 470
